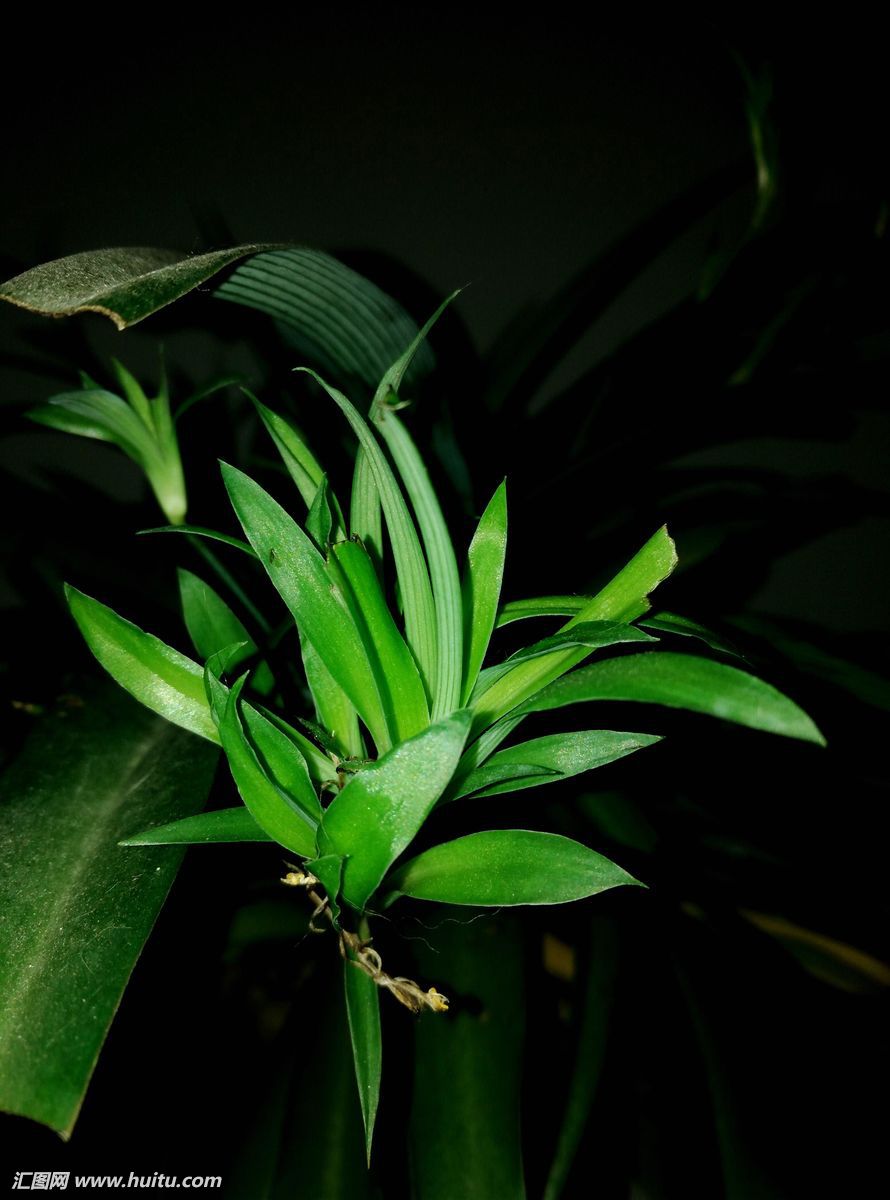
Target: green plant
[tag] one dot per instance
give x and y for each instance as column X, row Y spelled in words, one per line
column 405, row 715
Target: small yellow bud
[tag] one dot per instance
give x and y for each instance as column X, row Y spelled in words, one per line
column 437, row 1002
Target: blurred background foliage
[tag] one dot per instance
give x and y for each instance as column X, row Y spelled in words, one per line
column 689, row 236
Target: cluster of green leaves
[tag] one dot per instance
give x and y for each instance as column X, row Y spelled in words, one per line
column 407, row 716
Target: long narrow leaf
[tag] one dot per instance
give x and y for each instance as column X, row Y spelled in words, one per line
column 561, row 755
column 284, row 821
column 333, row 708
column 540, row 606
column 300, row 575
column 481, row 588
column 682, row 681
column 212, row 626
column 623, row 599
column 444, row 576
column 381, row 809
column 157, row 675
column 223, row 825
column 398, row 682
column 414, row 580
column 363, row 1011
column 506, row 867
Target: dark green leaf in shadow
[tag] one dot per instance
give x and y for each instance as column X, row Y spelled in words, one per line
column 465, row 1130
column 77, row 908
column 126, row 284
column 596, row 1006
column 339, row 319
column 667, row 622
column 212, row 625
column 481, row 588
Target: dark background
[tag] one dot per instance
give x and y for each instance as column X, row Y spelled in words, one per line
column 507, row 156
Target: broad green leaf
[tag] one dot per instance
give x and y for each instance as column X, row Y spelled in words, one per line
column 223, row 825
column 329, row 312
column 465, row 1104
column 203, row 531
column 75, row 912
column 668, row 622
column 482, row 586
column 623, row 599
column 540, row 606
column 125, row 284
column 507, row 866
column 589, row 1052
column 381, row 809
column 395, row 672
column 561, row 755
column 300, row 575
column 157, row 675
column 444, row 577
column 212, row 626
column 336, row 715
column 274, row 811
column 414, row 580
column 682, row 681
column 363, row 1011
column 525, row 774
column 593, row 635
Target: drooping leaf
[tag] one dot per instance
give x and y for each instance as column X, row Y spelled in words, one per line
column 414, row 580
column 223, row 825
column 623, row 599
column 398, row 683
column 203, row 531
column 482, row 586
column 501, row 867
column 157, row 675
column 363, row 1011
column 330, row 313
column 668, row 622
column 212, row 625
column 557, row 756
column 465, row 1119
column 278, row 814
column 125, row 284
column 300, row 575
column 76, row 913
column 682, row 681
column 381, row 809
